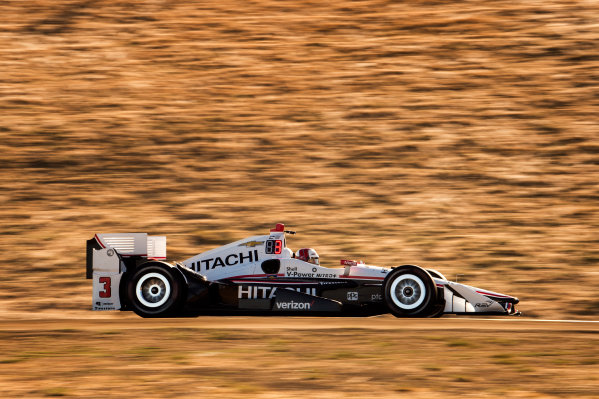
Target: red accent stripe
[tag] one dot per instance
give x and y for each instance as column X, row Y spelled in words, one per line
column 283, row 275
column 440, row 285
column 255, row 276
column 99, row 241
column 495, row 295
column 272, row 282
column 363, row 277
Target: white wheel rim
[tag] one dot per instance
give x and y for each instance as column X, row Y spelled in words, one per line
column 407, row 291
column 153, row 290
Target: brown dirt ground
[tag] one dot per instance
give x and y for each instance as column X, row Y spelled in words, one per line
column 458, row 135
column 297, row 358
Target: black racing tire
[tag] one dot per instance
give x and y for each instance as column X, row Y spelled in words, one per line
column 410, row 291
column 436, row 274
column 438, row 309
column 155, row 290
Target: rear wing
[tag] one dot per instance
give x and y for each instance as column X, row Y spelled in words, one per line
column 126, row 245
column 109, row 255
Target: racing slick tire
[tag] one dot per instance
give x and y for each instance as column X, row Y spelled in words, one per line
column 155, row 290
column 410, row 291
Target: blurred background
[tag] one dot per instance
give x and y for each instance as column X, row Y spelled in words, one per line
column 461, row 136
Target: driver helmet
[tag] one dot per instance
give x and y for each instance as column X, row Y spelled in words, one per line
column 308, row 255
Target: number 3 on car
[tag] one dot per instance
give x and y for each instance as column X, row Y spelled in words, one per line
column 106, row 284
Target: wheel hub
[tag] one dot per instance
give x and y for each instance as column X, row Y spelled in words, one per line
column 408, row 291
column 153, row 290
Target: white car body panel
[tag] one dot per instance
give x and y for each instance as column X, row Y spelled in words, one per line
column 240, row 258
column 106, row 279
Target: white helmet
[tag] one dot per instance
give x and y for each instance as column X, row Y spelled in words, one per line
column 308, row 255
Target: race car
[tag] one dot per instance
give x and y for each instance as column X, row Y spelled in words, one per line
column 261, row 275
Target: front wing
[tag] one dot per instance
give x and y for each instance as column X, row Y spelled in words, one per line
column 465, row 299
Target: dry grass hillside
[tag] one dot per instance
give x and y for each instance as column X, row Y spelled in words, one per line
column 456, row 135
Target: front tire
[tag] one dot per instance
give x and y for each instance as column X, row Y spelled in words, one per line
column 410, row 291
column 155, row 290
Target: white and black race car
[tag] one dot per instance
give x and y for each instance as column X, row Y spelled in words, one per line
column 261, row 275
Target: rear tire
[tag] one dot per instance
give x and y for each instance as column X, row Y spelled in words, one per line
column 155, row 290
column 409, row 291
